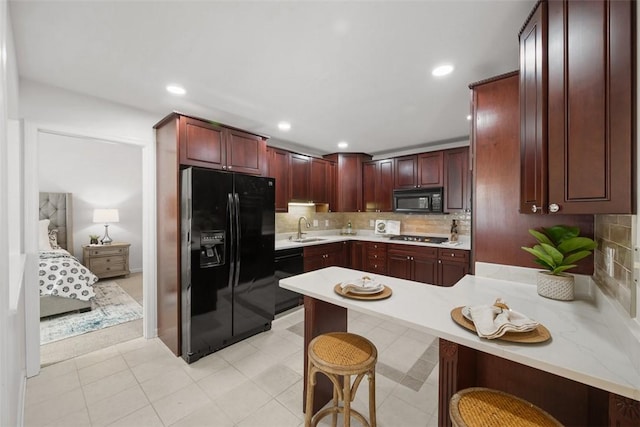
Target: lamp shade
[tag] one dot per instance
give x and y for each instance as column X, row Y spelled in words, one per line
column 105, row 215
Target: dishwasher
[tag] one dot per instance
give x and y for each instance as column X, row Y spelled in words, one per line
column 288, row 262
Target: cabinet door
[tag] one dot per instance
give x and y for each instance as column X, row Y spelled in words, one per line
column 279, row 169
column 384, row 186
column 425, row 269
column 533, row 112
column 299, row 177
column 369, row 181
column 591, row 91
column 406, row 172
column 399, row 264
column 201, row 144
column 430, row 169
column 450, row 272
column 319, row 176
column 457, row 186
column 358, row 255
column 246, row 153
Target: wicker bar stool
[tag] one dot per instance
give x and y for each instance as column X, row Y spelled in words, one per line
column 484, row 407
column 339, row 355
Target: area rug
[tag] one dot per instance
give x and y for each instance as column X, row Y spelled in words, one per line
column 111, row 306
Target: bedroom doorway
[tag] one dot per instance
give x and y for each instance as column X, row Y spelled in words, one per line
column 94, row 174
column 81, row 151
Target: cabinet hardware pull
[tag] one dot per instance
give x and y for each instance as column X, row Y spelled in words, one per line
column 553, row 208
column 534, row 208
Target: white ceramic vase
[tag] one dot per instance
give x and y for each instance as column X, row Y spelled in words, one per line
column 559, row 287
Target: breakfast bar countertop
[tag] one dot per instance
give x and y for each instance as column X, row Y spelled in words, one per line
column 586, row 341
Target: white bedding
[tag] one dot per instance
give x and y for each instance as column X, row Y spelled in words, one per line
column 61, row 274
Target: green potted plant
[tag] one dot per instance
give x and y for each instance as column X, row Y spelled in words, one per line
column 93, row 239
column 558, row 249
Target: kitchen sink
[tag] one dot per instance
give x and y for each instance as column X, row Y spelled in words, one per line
column 308, row 239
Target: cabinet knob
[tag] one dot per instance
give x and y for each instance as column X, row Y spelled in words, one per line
column 229, row 167
column 534, row 208
column 553, row 208
column 453, row 254
column 224, row 167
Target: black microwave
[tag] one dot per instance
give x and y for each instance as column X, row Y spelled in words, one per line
column 418, row 200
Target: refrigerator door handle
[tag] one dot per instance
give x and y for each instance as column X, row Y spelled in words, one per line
column 231, row 237
column 237, row 238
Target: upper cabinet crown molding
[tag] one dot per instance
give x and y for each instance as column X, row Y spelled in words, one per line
column 577, row 97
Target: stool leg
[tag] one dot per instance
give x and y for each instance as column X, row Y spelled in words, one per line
column 346, row 396
column 334, row 416
column 372, row 398
column 311, row 375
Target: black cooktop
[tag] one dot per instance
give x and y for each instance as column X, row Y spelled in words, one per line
column 421, row 239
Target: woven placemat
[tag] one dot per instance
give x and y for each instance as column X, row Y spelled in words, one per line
column 384, row 293
column 538, row 335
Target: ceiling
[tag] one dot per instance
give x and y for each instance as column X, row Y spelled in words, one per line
column 354, row 71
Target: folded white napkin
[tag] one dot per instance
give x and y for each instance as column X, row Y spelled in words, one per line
column 365, row 283
column 493, row 322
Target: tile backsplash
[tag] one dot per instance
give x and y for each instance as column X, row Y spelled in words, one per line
column 409, row 224
column 614, row 258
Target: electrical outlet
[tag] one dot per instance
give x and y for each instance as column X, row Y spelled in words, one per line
column 315, row 222
column 326, row 222
column 372, row 223
column 609, row 256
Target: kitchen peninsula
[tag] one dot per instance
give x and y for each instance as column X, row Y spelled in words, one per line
column 582, row 376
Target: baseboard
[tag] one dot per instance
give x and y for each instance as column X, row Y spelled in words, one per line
column 135, row 270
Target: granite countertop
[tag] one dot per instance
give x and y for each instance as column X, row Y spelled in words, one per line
column 283, row 242
column 586, row 344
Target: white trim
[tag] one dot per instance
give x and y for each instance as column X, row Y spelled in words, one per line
column 32, row 302
column 22, row 397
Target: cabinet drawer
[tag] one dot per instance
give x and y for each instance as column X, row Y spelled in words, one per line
column 377, row 266
column 376, row 247
column 110, row 269
column 105, row 251
column 454, row 255
column 102, row 262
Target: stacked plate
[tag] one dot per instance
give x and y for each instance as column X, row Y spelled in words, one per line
column 362, row 286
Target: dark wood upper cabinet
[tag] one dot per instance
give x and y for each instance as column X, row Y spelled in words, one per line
column 279, row 169
column 377, row 185
column 210, row 145
column 299, row 177
column 457, row 180
column 320, row 178
column 498, row 229
column 577, row 93
column 421, row 170
column 348, row 180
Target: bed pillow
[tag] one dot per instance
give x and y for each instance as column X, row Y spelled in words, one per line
column 53, row 239
column 43, row 235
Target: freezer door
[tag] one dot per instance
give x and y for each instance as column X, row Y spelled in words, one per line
column 254, row 292
column 207, row 296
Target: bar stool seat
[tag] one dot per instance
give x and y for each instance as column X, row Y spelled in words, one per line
column 484, row 407
column 339, row 355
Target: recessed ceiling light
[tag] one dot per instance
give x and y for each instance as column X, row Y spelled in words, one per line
column 284, row 126
column 442, row 70
column 176, row 90
column 342, row 144
column 469, row 117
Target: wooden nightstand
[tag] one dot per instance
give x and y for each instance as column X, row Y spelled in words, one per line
column 107, row 260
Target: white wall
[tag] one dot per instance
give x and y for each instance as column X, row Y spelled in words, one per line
column 99, row 175
column 12, row 307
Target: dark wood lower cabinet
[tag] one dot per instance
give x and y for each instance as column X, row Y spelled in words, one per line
column 326, row 255
column 413, row 263
column 570, row 402
column 453, row 265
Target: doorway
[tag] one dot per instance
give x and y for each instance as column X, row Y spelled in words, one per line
column 34, row 136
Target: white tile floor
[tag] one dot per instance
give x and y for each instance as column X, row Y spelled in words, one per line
column 257, row 382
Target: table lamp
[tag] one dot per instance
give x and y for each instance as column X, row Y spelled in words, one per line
column 106, row 216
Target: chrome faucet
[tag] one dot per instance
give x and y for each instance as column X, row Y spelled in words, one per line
column 300, row 233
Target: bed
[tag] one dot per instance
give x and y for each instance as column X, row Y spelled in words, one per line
column 65, row 284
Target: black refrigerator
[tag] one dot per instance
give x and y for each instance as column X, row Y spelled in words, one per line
column 227, row 273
